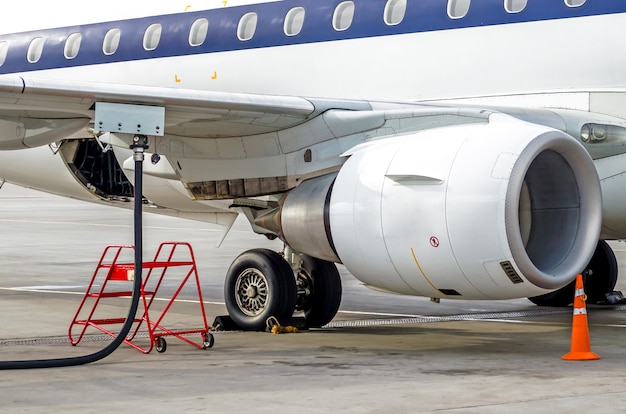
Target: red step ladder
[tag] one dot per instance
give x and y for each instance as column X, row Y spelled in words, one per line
column 111, row 279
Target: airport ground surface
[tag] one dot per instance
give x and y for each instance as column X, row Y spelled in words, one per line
column 473, row 357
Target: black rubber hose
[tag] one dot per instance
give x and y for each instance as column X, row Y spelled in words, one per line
column 108, row 350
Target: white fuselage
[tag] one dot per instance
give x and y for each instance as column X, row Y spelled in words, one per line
column 501, row 60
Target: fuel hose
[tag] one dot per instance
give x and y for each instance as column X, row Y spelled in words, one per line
column 140, row 143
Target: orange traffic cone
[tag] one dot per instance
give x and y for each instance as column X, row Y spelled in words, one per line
column 580, row 349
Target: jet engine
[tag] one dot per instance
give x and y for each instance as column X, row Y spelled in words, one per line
column 492, row 211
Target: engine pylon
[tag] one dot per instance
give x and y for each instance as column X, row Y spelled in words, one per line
column 580, row 348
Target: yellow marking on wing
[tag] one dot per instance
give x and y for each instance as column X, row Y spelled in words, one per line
column 214, row 76
column 176, row 78
column 188, row 7
column 225, row 2
column 422, row 270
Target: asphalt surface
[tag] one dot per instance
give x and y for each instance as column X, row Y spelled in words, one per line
column 382, row 353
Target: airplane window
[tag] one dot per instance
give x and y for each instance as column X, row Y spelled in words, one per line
column 247, row 26
column 344, row 13
column 72, row 45
column 111, row 41
column 152, row 37
column 35, row 50
column 294, row 21
column 457, row 9
column 575, row 3
column 394, row 12
column 198, row 32
column 515, row 6
column 4, row 49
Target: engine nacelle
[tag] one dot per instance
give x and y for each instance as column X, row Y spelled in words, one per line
column 501, row 210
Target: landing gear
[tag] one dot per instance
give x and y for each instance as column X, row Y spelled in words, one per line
column 603, row 274
column 319, row 291
column 601, row 281
column 259, row 284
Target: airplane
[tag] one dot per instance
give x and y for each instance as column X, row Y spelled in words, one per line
column 451, row 149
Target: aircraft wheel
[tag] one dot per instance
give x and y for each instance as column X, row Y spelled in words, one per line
column 603, row 277
column 559, row 298
column 259, row 284
column 320, row 279
column 603, row 266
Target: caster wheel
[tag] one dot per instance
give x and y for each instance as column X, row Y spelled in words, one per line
column 208, row 341
column 161, row 344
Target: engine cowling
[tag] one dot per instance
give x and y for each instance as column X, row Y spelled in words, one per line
column 500, row 210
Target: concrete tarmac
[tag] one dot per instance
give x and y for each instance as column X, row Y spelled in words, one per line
column 383, row 354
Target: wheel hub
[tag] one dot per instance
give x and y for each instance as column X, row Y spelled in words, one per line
column 251, row 292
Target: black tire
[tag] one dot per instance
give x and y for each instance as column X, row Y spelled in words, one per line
column 161, row 345
column 322, row 304
column 603, row 266
column 259, row 284
column 559, row 298
column 208, row 340
column 603, row 277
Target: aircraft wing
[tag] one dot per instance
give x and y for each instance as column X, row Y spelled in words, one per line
column 36, row 112
column 256, row 144
column 224, row 146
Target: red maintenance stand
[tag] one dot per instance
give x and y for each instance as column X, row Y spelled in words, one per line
column 115, row 272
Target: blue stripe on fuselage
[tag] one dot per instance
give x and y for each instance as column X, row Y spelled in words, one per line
column 421, row 16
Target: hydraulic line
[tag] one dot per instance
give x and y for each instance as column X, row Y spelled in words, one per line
column 140, row 143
